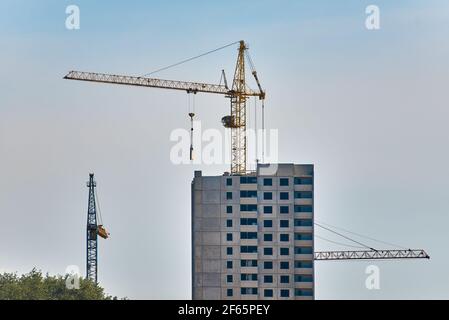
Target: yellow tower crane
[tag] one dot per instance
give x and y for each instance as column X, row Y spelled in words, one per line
column 238, row 95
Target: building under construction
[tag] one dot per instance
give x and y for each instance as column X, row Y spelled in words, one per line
column 252, row 235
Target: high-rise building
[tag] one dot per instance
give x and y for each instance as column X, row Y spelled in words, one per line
column 252, row 235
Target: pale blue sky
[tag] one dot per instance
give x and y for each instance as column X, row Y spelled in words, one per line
column 368, row 108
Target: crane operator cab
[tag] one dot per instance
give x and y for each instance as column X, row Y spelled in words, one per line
column 101, row 231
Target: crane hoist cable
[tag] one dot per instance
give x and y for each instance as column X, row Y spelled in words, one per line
column 339, row 243
column 100, row 227
column 190, row 59
column 361, row 235
column 347, row 238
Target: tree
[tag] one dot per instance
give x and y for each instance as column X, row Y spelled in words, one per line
column 35, row 286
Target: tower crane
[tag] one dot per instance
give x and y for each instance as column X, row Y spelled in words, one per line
column 94, row 229
column 238, row 95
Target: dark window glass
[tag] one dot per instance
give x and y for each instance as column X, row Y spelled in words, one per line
column 248, row 194
column 284, row 224
column 285, row 252
column 268, row 223
column 283, row 182
column 248, row 180
column 268, row 251
column 303, row 208
column 303, row 195
column 303, row 223
column 229, row 292
column 229, row 251
column 268, row 279
column 229, row 237
column 229, row 278
column 303, row 181
column 268, row 195
column 267, row 237
column 229, row 264
column 268, row 293
column 284, row 196
column 285, row 237
column 285, row 293
column 268, row 265
column 268, row 209
column 267, row 182
column 284, row 265
column 284, row 210
column 229, row 181
column 285, row 279
column 229, row 223
column 229, row 195
column 229, row 209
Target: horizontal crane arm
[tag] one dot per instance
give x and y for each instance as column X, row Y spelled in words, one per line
column 189, row 87
column 371, row 255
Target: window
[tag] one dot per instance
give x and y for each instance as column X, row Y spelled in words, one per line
column 303, row 195
column 303, row 236
column 268, row 223
column 248, row 235
column 229, row 209
column 229, row 292
column 285, row 237
column 229, row 251
column 285, row 252
column 248, row 263
column 303, row 180
column 303, row 250
column 248, row 194
column 268, row 293
column 229, row 278
column 228, row 195
column 248, row 180
column 245, row 291
column 267, row 237
column 267, row 182
column 303, row 293
column 268, row 209
column 283, row 182
column 285, row 293
column 248, row 277
column 284, row 210
column 229, row 182
column 303, row 209
column 303, row 278
column 248, row 207
column 268, row 195
column 284, row 265
column 229, row 264
column 303, row 264
column 229, row 237
column 285, row 279
column 284, row 224
column 268, row 251
column 229, row 223
column 248, row 221
column 268, row 279
column 303, row 223
column 248, row 249
column 268, row 265
column 284, row 196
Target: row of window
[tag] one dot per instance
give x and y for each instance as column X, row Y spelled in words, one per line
column 253, row 264
column 268, row 293
column 268, row 195
column 268, row 251
column 268, row 265
column 284, row 182
column 284, row 279
column 269, row 223
column 268, row 237
column 269, row 209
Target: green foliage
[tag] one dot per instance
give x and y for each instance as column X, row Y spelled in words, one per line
column 35, row 286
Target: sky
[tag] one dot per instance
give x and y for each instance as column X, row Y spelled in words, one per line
column 367, row 107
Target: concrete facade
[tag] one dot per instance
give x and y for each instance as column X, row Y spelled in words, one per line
column 252, row 236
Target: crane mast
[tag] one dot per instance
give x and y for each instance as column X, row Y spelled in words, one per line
column 92, row 237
